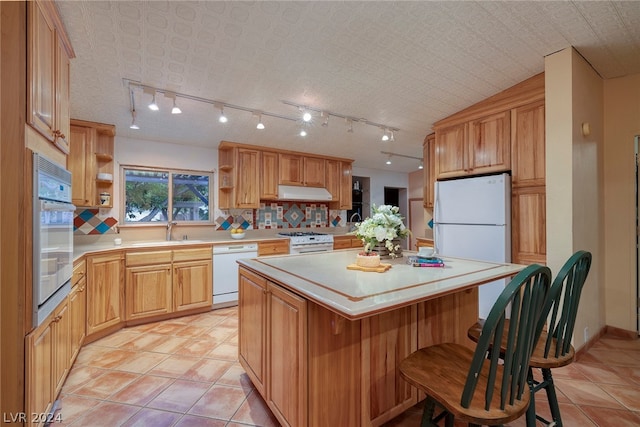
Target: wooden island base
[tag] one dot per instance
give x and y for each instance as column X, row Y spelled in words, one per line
column 314, row 367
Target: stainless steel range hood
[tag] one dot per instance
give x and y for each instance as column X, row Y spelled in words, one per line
column 292, row 192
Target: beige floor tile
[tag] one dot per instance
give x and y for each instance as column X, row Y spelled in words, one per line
column 198, row 347
column 179, row 396
column 106, row 384
column 236, row 377
column 169, row 346
column 195, row 331
column 219, row 402
column 80, row 375
column 602, row 374
column 629, row 396
column 605, row 417
column 173, row 366
column 225, row 351
column 207, row 370
column 143, row 341
column 142, row 362
column 73, row 407
column 254, row 411
column 616, row 358
column 222, row 333
column 151, row 417
column 111, row 358
column 107, row 414
column 587, row 393
column 193, row 421
column 117, row 338
column 168, row 327
column 142, row 390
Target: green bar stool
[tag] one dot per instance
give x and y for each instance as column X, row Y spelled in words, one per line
column 553, row 348
column 472, row 387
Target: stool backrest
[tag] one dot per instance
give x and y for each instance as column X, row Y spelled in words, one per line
column 563, row 303
column 525, row 296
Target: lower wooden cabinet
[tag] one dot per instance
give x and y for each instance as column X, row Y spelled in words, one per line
column 78, row 315
column 273, row 346
column 273, row 247
column 167, row 281
column 39, row 370
column 105, row 291
column 346, row 242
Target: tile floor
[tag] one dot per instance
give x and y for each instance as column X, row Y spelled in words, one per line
column 185, row 372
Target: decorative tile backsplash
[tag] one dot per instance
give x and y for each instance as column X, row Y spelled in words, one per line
column 283, row 215
column 87, row 221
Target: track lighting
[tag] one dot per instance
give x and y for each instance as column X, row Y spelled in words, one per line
column 385, row 135
column 306, row 115
column 222, row 118
column 260, row 125
column 133, row 125
column 303, row 132
column 392, row 138
column 325, row 119
column 175, row 109
column 420, row 166
column 153, row 106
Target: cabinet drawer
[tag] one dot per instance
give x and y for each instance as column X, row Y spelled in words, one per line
column 146, row 258
column 79, row 271
column 273, row 247
column 192, row 254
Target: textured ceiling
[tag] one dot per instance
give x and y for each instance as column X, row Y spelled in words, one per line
column 402, row 64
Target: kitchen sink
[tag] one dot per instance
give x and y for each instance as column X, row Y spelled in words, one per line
column 164, row 243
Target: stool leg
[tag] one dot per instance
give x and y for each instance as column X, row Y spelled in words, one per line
column 427, row 414
column 551, row 396
column 531, row 410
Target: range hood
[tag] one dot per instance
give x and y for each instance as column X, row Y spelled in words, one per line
column 293, row 192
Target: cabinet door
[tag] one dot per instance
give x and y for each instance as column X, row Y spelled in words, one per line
column 451, row 151
column 528, row 225
column 105, row 292
column 248, row 182
column 287, row 356
column 41, row 66
column 269, row 181
column 193, row 284
column 61, row 334
column 252, row 327
column 148, row 291
column 528, row 145
column 429, row 156
column 39, row 378
column 78, row 316
column 332, row 179
column 314, row 172
column 80, row 163
column 490, row 143
column 290, row 169
column 62, row 116
column 346, row 194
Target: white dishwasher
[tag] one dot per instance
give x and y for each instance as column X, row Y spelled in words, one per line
column 225, row 271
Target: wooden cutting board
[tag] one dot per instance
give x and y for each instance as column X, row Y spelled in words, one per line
column 379, row 269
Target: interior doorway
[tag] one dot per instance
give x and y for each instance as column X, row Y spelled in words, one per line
column 398, row 197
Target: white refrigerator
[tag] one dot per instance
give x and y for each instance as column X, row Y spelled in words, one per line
column 472, row 219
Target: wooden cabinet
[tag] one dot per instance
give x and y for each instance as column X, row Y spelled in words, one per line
column 61, row 336
column 273, row 346
column 333, row 180
column 239, row 179
column 346, row 242
column 39, row 377
column 48, row 55
column 345, row 198
column 429, row 158
column 91, row 154
column 269, row 176
column 273, row 247
column 314, row 172
column 105, row 291
column 480, row 146
column 78, row 309
column 192, row 279
column 167, row 281
column 528, row 196
column 290, row 169
column 148, row 284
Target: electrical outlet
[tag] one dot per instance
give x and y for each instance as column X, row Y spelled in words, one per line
column 586, row 334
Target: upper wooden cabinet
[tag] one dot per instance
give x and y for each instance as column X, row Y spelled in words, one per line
column 248, row 174
column 49, row 52
column 269, row 173
column 91, row 153
column 528, row 151
column 429, row 159
column 476, row 147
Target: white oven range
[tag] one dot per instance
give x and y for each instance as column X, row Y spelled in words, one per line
column 304, row 242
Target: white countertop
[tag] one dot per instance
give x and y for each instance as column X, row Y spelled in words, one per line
column 324, row 279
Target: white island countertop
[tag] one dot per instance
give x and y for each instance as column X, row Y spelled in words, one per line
column 324, row 279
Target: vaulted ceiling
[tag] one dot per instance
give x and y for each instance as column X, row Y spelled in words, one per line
column 402, row 64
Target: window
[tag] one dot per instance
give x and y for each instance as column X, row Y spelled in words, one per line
column 161, row 195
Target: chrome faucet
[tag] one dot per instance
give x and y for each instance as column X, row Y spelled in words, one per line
column 170, row 225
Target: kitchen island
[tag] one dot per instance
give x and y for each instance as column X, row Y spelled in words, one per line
column 321, row 343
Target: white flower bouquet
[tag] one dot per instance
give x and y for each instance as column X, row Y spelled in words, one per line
column 384, row 225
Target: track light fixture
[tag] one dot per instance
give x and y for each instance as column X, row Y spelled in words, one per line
column 133, row 125
column 385, row 135
column 175, row 109
column 303, row 132
column 388, row 130
column 420, row 165
column 260, row 125
column 222, row 118
column 152, row 105
column 392, row 138
column 306, row 115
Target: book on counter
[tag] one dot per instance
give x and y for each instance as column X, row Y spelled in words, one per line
column 420, row 261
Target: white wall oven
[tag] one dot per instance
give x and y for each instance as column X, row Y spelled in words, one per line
column 52, row 236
